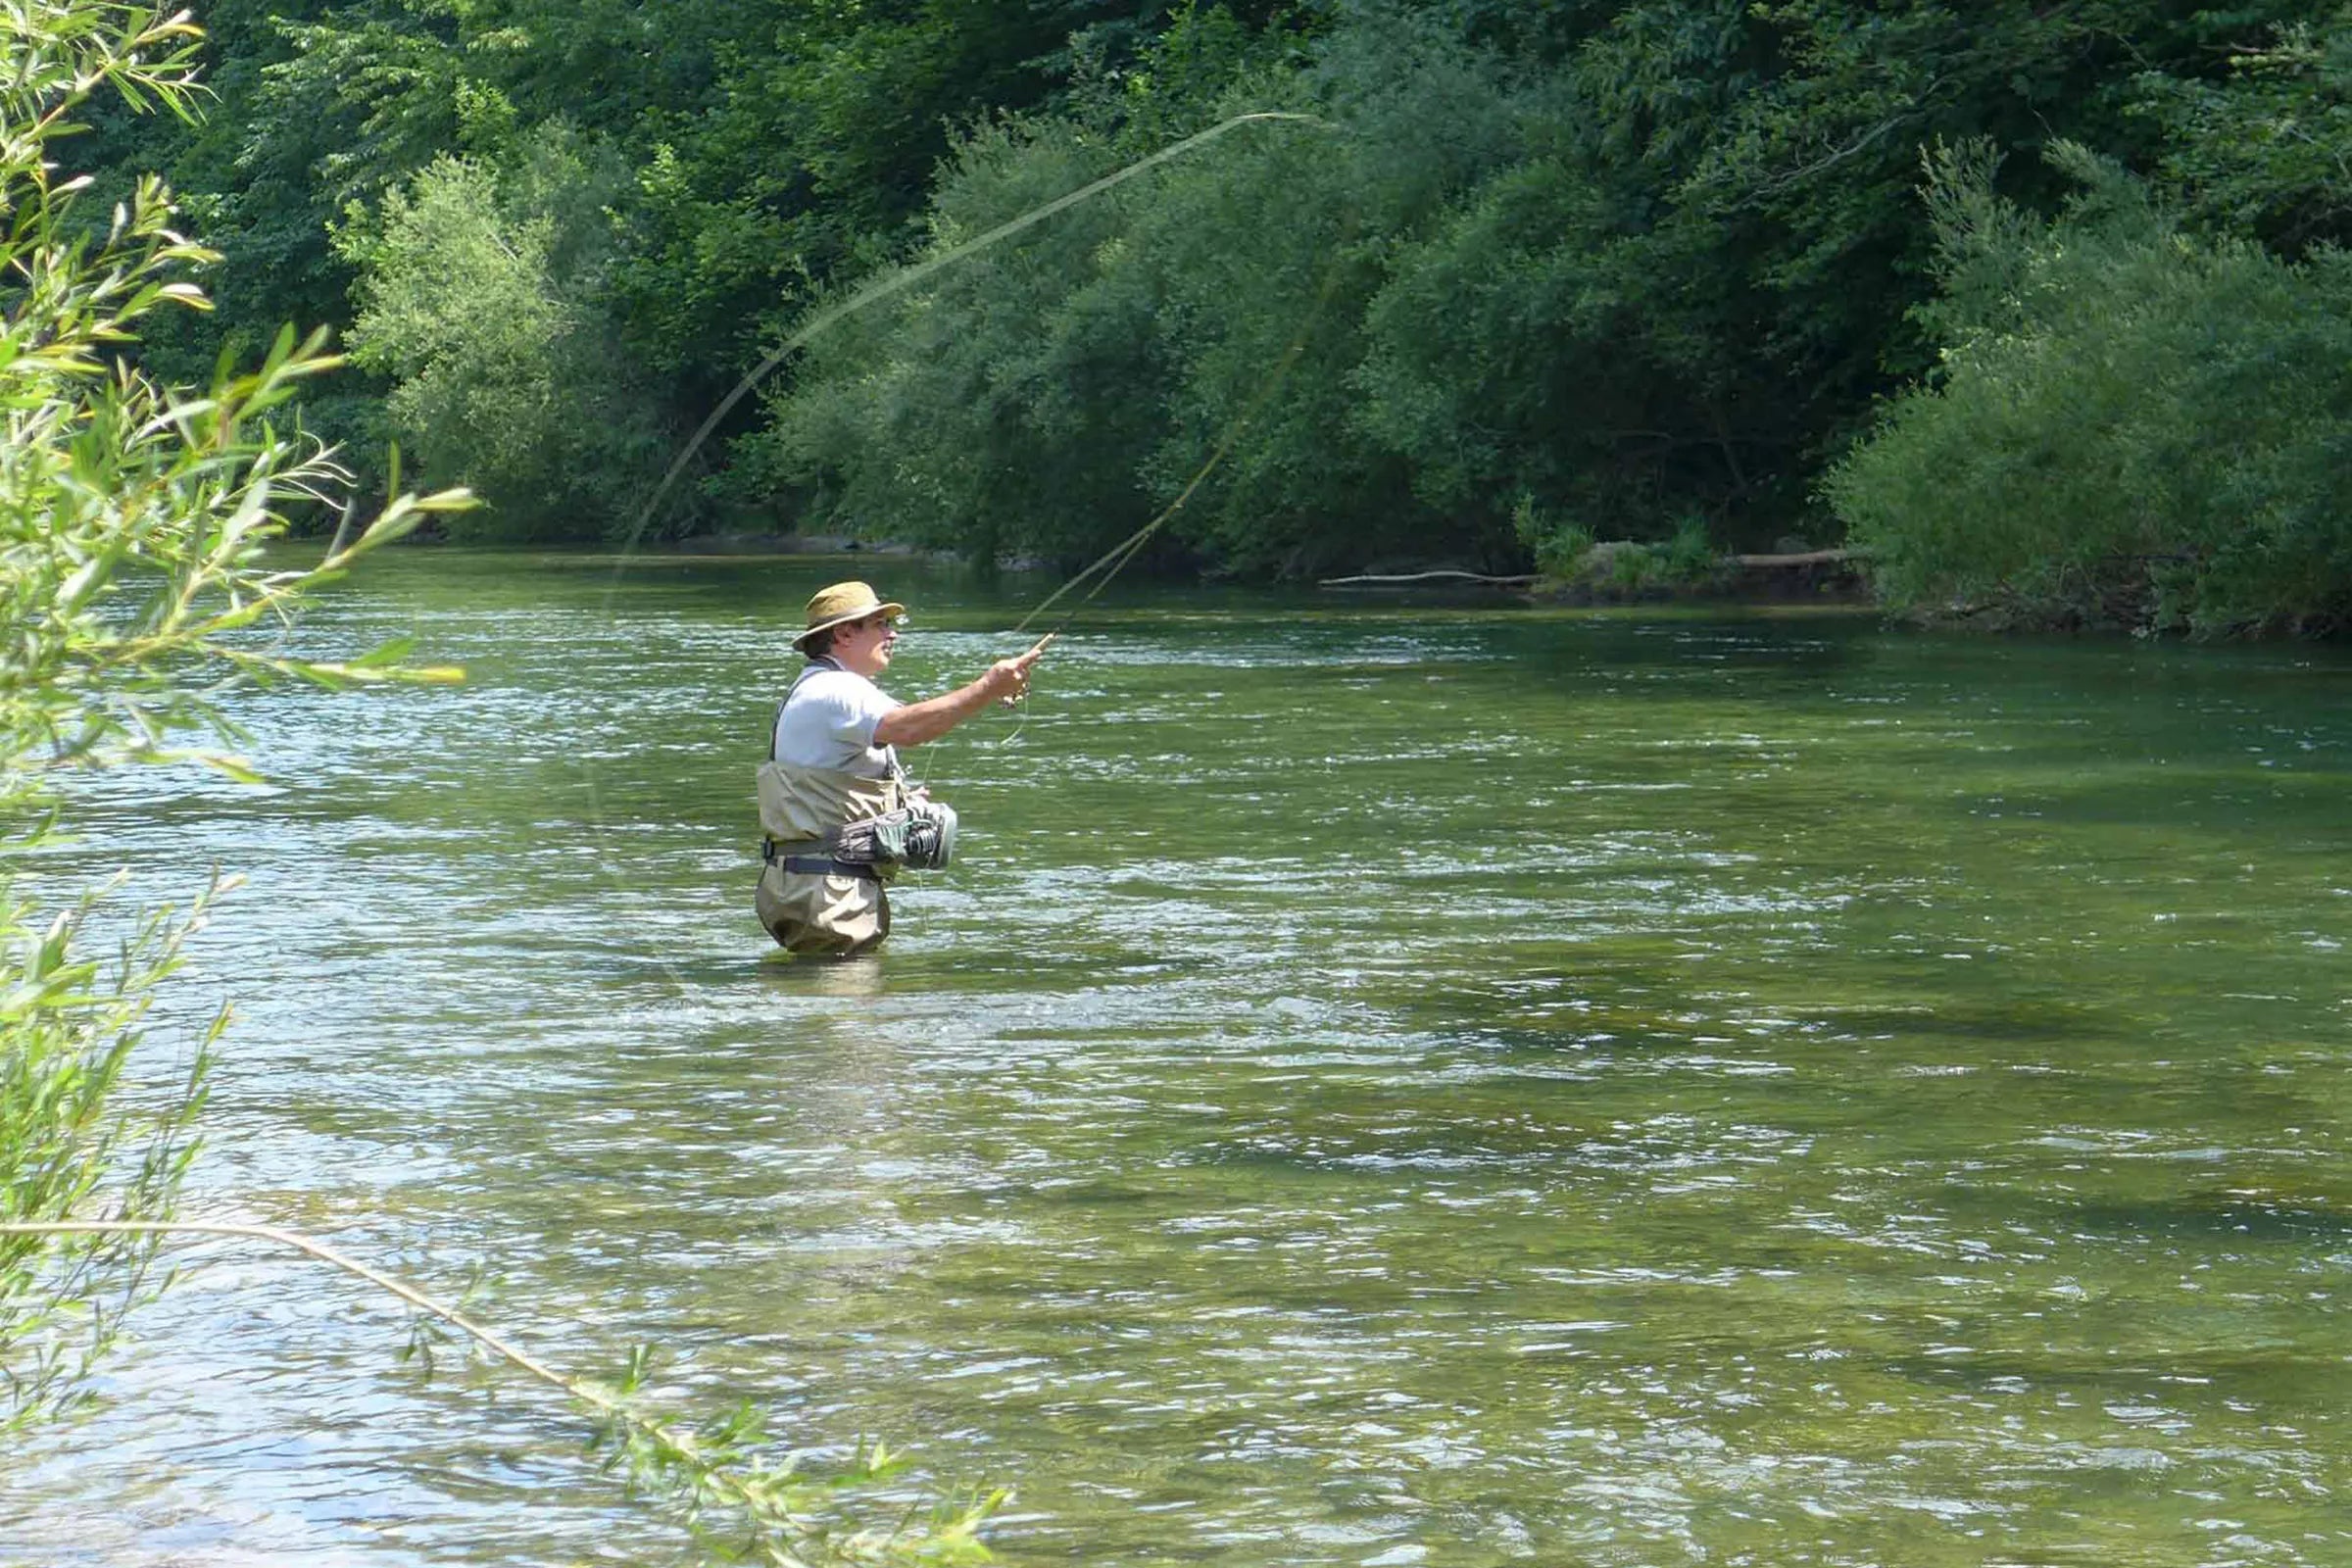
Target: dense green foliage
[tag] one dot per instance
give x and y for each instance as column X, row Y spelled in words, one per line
column 694, row 171
column 480, row 295
column 2134, row 426
column 1639, row 271
column 1622, row 269
column 2143, row 417
column 2267, row 152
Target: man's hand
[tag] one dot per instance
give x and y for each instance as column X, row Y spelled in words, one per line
column 1008, row 679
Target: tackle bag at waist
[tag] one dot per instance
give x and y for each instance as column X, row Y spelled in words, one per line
column 919, row 835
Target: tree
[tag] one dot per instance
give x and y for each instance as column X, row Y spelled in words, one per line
column 2268, row 151
column 1640, row 268
column 482, row 302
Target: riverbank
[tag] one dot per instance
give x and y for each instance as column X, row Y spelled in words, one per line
column 785, row 544
column 1619, row 572
column 1626, row 572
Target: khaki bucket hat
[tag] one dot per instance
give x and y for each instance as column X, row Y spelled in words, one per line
column 842, row 603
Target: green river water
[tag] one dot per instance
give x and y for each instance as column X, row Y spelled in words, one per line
column 1384, row 1084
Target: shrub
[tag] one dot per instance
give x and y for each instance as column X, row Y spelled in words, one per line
column 1559, row 547
column 2131, row 427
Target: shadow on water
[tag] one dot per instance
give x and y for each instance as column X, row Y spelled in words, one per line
column 2211, row 1218
column 2037, row 1019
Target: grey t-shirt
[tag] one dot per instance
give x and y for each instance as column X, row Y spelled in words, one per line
column 828, row 721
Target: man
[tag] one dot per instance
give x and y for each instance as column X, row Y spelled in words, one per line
column 833, row 762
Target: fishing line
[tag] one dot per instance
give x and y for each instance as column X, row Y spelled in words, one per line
column 898, row 283
column 1114, row 560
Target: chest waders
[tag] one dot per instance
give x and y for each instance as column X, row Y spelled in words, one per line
column 810, row 899
column 832, row 839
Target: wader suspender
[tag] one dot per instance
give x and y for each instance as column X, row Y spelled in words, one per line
column 897, row 769
column 821, row 662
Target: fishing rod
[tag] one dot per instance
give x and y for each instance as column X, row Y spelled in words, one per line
column 1113, row 560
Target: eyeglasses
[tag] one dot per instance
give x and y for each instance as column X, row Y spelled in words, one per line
column 871, row 621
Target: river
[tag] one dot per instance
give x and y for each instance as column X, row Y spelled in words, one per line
column 1384, row 1084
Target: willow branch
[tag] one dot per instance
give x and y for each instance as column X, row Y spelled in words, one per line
column 589, row 1393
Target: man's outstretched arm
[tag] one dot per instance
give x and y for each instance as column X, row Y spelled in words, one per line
column 927, row 720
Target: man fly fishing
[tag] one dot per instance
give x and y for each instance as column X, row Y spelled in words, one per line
column 837, row 815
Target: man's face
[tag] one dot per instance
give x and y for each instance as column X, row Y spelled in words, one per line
column 863, row 646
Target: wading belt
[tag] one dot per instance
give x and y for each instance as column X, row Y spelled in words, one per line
column 814, row 865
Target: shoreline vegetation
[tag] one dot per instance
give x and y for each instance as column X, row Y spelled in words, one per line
column 2047, row 310
column 1612, row 571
